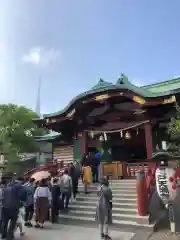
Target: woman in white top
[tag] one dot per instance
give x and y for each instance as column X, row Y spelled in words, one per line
column 42, row 200
column 66, row 188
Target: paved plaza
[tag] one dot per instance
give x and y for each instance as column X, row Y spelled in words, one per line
column 164, row 235
column 63, row 232
column 57, row 231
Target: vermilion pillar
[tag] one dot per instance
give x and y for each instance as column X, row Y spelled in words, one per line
column 83, row 143
column 142, row 194
column 148, row 139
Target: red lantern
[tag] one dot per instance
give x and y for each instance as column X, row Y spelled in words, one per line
column 171, row 179
column 174, row 187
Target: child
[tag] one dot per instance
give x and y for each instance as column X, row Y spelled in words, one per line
column 19, row 223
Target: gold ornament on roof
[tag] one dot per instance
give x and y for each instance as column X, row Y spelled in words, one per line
column 139, row 100
column 101, row 97
column 170, row 100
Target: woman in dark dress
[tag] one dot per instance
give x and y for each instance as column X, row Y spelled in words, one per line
column 42, row 199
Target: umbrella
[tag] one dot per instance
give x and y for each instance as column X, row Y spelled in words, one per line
column 41, row 175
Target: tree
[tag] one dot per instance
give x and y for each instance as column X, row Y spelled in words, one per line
column 17, row 132
column 174, row 132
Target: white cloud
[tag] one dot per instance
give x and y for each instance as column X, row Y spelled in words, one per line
column 41, row 56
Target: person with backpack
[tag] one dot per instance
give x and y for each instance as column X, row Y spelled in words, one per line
column 29, row 203
column 66, row 188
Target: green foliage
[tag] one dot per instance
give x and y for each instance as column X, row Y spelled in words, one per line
column 174, row 132
column 17, row 132
column 174, row 125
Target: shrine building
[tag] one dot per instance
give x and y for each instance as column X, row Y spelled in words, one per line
column 124, row 122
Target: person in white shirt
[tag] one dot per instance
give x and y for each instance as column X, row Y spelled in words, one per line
column 42, row 200
column 66, row 188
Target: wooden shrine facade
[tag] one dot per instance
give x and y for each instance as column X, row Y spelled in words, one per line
column 123, row 122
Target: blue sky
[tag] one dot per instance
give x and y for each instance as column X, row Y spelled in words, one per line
column 73, row 43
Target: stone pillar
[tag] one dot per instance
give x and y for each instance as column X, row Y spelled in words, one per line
column 148, row 139
column 83, row 143
column 142, row 194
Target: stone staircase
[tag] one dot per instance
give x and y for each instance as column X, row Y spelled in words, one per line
column 82, row 211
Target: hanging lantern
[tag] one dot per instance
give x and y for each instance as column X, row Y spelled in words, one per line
column 105, row 136
column 137, row 131
column 121, row 134
column 101, row 138
column 127, row 135
column 91, row 134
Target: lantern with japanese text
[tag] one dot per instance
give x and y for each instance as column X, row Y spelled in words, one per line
column 166, row 184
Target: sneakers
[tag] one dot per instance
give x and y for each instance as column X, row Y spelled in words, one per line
column 37, row 225
column 28, row 224
column 102, row 235
column 106, row 237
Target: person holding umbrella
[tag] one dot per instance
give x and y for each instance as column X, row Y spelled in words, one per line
column 42, row 201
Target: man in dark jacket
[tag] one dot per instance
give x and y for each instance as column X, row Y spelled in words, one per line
column 74, row 173
column 55, row 200
column 14, row 194
column 29, row 203
column 96, row 169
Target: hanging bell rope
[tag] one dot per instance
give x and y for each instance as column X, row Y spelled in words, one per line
column 119, row 130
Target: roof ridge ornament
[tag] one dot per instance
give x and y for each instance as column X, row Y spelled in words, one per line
column 101, row 80
column 102, row 84
column 122, row 79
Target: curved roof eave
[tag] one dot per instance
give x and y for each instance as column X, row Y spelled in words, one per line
column 78, row 97
column 128, row 86
column 50, row 136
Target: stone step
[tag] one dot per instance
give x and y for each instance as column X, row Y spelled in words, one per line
column 115, row 195
column 117, row 183
column 115, row 199
column 89, row 220
column 117, row 189
column 92, row 203
column 118, row 210
column 83, row 210
column 116, row 216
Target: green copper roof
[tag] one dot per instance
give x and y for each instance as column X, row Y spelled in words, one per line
column 173, row 84
column 150, row 91
column 102, row 84
column 50, row 136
